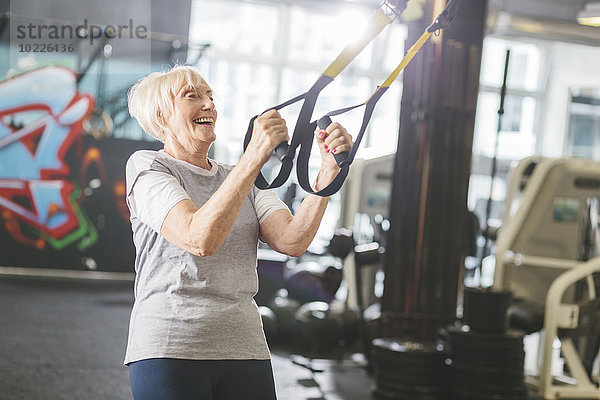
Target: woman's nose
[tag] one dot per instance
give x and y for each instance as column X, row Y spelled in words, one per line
column 208, row 104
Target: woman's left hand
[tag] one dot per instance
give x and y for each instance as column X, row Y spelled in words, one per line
column 332, row 140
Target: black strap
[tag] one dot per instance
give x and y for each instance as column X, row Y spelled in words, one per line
column 302, row 167
column 302, row 130
column 303, row 138
column 287, row 159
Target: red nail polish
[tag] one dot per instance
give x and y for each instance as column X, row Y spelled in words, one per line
column 325, row 146
column 335, row 151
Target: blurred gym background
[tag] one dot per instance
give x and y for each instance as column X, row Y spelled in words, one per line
column 377, row 306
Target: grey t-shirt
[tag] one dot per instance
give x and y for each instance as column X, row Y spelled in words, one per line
column 188, row 306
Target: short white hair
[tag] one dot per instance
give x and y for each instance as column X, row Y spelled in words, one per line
column 152, row 95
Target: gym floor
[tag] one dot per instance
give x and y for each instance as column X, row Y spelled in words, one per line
column 65, row 339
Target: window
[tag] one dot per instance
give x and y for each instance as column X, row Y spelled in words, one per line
column 236, row 27
column 521, row 107
column 583, row 138
column 516, row 138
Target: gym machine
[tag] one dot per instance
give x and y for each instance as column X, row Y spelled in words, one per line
column 547, row 255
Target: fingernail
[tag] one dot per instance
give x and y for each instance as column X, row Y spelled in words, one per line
column 328, row 150
column 325, row 146
column 335, row 151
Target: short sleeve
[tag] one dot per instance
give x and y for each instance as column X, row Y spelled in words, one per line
column 153, row 195
column 266, row 202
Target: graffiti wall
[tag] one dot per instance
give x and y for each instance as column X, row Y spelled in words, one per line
column 62, row 199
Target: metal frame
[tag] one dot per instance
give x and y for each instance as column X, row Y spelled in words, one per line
column 561, row 315
column 558, row 313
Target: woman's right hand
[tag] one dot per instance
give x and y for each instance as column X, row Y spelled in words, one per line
column 268, row 132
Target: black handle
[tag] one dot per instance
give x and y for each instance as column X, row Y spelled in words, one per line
column 281, row 151
column 340, row 158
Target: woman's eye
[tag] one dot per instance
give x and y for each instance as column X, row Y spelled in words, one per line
column 190, row 95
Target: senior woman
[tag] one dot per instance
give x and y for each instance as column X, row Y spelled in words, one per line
column 195, row 331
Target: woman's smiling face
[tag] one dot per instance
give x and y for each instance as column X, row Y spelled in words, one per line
column 193, row 117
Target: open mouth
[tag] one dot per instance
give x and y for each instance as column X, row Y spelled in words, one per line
column 204, row 121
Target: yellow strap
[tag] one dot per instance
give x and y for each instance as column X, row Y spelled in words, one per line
column 407, row 58
column 375, row 25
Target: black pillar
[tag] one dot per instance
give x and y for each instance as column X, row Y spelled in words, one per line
column 426, row 240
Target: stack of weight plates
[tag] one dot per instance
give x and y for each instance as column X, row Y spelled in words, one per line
column 408, row 370
column 486, row 365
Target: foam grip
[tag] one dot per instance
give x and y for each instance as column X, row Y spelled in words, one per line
column 340, row 158
column 281, row 150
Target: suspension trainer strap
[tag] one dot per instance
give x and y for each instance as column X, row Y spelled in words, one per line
column 343, row 159
column 285, row 152
column 304, row 129
column 282, row 152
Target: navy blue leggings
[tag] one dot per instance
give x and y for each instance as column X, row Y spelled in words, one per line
column 175, row 379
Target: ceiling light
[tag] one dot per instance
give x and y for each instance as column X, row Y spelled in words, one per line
column 590, row 15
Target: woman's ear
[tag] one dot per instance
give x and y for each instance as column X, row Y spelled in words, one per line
column 161, row 121
column 160, row 117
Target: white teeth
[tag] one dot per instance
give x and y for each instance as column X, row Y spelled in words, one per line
column 204, row 120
